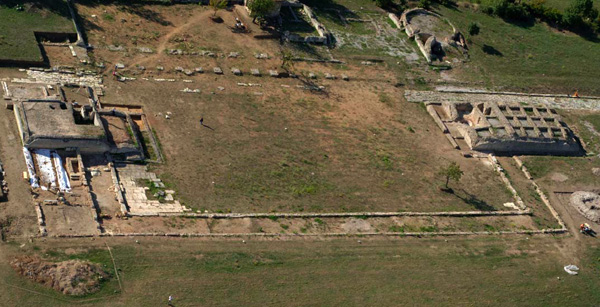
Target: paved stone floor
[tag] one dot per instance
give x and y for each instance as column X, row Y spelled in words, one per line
column 135, row 195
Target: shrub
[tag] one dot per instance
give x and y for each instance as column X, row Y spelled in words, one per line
column 487, row 10
column 571, row 19
column 509, row 9
column 584, row 8
column 473, row 28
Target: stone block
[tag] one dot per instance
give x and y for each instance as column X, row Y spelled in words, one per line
column 255, row 72
column 274, row 73
column 218, row 70
column 145, row 50
column 236, row 71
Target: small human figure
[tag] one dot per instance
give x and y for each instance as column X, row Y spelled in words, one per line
column 201, row 121
column 170, row 300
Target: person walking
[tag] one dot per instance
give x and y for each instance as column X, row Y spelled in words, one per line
column 170, row 300
column 201, row 121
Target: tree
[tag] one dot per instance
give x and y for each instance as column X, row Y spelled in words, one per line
column 578, row 13
column 260, row 8
column 451, row 172
column 473, row 28
column 217, row 5
column 426, row 4
column 584, row 8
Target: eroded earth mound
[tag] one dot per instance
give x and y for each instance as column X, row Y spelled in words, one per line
column 72, row 277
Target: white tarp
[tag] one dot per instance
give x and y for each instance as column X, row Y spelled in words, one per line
column 44, row 164
column 30, row 168
column 63, row 180
column 571, row 269
column 50, row 167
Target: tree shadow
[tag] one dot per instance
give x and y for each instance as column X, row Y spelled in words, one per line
column 136, row 7
column 308, row 49
column 143, row 12
column 521, row 23
column 472, row 200
column 487, row 49
column 330, row 10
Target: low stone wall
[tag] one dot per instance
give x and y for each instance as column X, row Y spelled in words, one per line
column 40, row 218
column 80, row 37
column 117, row 186
column 395, row 20
column 337, row 215
column 364, row 234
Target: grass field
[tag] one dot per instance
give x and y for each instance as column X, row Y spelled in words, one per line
column 343, row 272
column 17, row 39
column 300, row 152
column 528, row 57
column 586, row 125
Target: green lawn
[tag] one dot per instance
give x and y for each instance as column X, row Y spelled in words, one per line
column 342, row 272
column 17, row 39
column 530, row 57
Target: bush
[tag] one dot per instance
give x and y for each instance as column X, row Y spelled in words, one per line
column 571, row 19
column 552, row 15
column 473, row 28
column 584, row 8
column 509, row 9
column 488, row 10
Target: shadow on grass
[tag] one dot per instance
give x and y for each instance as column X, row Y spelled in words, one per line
column 487, row 49
column 472, row 200
column 331, row 10
column 58, row 7
column 308, row 49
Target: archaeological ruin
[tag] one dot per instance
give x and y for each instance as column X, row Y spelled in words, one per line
column 588, row 204
column 52, row 124
column 504, row 127
column 436, row 36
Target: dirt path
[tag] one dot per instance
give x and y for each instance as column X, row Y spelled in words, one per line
column 574, row 246
column 164, row 40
